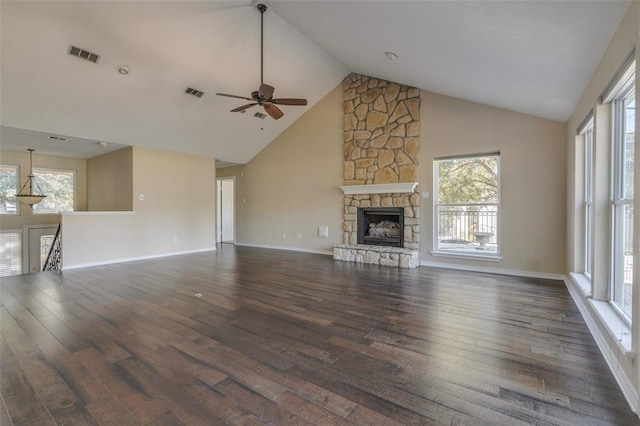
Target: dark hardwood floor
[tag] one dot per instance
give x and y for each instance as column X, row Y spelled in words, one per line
column 255, row 336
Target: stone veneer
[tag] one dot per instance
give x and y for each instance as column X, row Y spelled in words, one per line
column 381, row 146
column 377, row 255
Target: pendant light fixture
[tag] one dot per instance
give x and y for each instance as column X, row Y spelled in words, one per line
column 29, row 197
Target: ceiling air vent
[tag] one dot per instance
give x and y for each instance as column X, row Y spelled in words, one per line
column 83, row 54
column 260, row 115
column 57, row 138
column 194, row 92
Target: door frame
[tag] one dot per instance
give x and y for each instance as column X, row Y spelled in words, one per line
column 26, row 249
column 219, row 208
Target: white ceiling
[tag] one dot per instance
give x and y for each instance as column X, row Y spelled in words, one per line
column 532, row 56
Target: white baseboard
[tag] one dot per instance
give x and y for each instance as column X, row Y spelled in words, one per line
column 514, row 272
column 304, row 250
column 610, row 356
column 132, row 259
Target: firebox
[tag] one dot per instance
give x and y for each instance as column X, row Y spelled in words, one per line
column 381, row 226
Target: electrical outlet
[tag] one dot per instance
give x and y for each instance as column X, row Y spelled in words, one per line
column 323, row 231
column 141, row 197
column 175, row 238
column 284, row 235
column 299, row 235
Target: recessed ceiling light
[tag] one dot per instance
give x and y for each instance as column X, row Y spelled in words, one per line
column 124, row 69
column 392, row 56
column 103, row 144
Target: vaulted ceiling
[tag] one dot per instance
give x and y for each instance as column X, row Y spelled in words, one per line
column 534, row 57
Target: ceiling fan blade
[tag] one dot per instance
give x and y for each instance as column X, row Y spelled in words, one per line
column 289, row 101
column 234, row 96
column 265, row 91
column 243, row 107
column 273, row 111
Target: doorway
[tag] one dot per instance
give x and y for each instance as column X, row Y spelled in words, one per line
column 225, row 210
column 37, row 243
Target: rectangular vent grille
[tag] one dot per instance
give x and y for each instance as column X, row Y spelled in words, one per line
column 194, row 92
column 260, row 115
column 57, row 138
column 83, row 54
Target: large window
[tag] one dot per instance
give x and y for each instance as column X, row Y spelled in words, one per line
column 622, row 168
column 59, row 186
column 467, row 202
column 8, row 189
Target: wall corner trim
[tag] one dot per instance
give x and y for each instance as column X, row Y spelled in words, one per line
column 133, row 259
column 303, row 250
column 489, row 270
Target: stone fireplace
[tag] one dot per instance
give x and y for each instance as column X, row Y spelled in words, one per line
column 381, row 170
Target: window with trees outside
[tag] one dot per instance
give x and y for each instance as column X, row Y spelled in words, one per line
column 622, row 170
column 8, row 189
column 59, row 186
column 467, row 202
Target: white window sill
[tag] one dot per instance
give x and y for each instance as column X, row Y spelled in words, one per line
column 583, row 283
column 467, row 255
column 616, row 327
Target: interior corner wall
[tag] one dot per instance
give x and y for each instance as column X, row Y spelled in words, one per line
column 532, row 179
column 26, row 216
column 291, row 187
column 176, row 214
column 625, row 369
column 179, row 196
column 110, row 181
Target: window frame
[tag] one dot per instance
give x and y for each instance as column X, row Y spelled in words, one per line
column 465, row 253
column 618, row 202
column 588, row 207
column 37, row 170
column 17, row 169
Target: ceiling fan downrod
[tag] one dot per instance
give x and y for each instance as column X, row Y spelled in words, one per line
column 262, row 8
column 264, row 95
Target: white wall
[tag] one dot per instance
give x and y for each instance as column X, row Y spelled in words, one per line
column 110, row 181
column 177, row 214
column 532, row 178
column 291, row 186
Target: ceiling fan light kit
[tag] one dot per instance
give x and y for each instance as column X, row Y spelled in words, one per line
column 264, row 95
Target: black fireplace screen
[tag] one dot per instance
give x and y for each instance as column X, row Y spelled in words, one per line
column 381, row 226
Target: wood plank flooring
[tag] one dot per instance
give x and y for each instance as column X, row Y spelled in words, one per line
column 255, row 336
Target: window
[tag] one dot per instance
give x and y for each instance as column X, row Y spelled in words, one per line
column 467, row 205
column 623, row 146
column 10, row 253
column 59, row 186
column 587, row 208
column 8, row 189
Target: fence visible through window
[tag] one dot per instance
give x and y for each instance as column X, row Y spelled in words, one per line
column 468, row 227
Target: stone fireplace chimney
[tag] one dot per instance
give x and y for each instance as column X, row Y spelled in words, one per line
column 381, row 164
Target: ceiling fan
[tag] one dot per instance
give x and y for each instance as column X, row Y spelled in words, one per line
column 264, row 95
